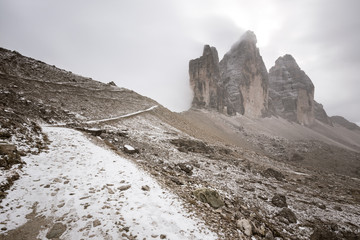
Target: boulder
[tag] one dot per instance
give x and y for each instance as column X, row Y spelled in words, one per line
column 288, row 215
column 279, row 200
column 209, row 196
column 273, row 173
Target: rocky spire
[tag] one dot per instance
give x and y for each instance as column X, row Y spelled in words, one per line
column 239, row 83
column 245, row 78
column 204, row 77
column 291, row 91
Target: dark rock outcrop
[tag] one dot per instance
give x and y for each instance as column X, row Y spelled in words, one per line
column 291, row 91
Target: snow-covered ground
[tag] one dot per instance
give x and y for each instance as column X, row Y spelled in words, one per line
column 96, row 194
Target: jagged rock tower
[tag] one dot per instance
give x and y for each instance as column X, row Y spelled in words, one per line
column 245, row 78
column 238, row 84
column 204, row 80
column 291, row 91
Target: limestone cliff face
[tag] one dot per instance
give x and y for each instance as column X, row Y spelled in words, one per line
column 238, row 84
column 291, row 91
column 244, row 78
column 204, row 78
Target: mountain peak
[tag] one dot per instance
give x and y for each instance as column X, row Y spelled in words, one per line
column 249, row 36
column 287, row 60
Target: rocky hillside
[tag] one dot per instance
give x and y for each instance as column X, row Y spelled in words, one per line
column 244, row 178
column 81, row 98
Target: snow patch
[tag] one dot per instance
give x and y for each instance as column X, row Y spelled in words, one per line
column 77, row 182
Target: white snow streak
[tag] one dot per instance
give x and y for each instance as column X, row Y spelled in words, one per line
column 85, row 179
column 123, row 116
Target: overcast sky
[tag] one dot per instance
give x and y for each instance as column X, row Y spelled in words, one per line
column 145, row 45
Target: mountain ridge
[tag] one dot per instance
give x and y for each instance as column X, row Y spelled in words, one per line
column 245, row 87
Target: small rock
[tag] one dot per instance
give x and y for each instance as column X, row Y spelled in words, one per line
column 145, row 188
column 96, row 223
column 162, row 236
column 110, row 191
column 124, row 187
column 269, row 236
column 279, row 200
column 61, row 205
column 186, row 167
column 129, row 149
column 47, row 186
column 288, row 215
column 273, row 173
column 338, row 208
column 57, row 180
column 321, row 206
column 263, row 197
column 56, row 231
column 259, row 230
column 177, row 181
column 3, row 229
column 245, row 226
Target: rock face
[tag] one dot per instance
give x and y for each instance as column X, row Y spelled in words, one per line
column 204, row 77
column 291, row 91
column 245, row 78
column 238, row 84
